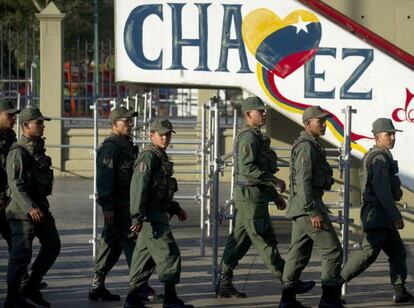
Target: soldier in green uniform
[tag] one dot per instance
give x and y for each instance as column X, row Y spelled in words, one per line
column 30, row 180
column 255, row 186
column 310, row 176
column 8, row 114
column 152, row 206
column 115, row 161
column 381, row 219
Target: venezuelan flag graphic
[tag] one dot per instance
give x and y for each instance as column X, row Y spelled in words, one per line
column 281, row 46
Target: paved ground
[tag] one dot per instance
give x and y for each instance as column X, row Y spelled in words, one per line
column 70, row 277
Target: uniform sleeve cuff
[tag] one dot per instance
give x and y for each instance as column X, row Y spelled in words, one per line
column 314, row 212
column 136, row 221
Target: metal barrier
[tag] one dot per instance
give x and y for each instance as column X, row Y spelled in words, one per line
column 218, row 162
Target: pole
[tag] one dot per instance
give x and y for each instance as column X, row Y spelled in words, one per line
column 95, row 123
column 19, row 105
column 203, row 181
column 215, row 196
column 135, row 133
column 235, row 124
column 347, row 184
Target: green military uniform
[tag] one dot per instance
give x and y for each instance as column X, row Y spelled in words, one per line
column 381, row 188
column 310, row 176
column 7, row 138
column 255, row 164
column 30, row 180
column 152, row 206
column 115, row 162
column 152, row 190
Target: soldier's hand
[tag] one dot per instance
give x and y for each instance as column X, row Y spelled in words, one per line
column 317, row 221
column 109, row 217
column 36, row 214
column 280, row 203
column 399, row 224
column 182, row 215
column 281, row 185
column 136, row 228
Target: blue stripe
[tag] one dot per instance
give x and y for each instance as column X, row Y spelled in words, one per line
column 285, row 42
column 265, row 79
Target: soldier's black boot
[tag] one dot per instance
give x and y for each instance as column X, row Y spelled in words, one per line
column 98, row 290
column 134, row 300
column 401, row 295
column 25, row 279
column 171, row 300
column 31, row 291
column 302, row 287
column 288, row 299
column 225, row 287
column 15, row 300
column 331, row 297
column 148, row 294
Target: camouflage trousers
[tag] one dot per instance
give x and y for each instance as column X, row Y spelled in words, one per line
column 374, row 241
column 155, row 248
column 304, row 237
column 23, row 233
column 115, row 238
column 253, row 226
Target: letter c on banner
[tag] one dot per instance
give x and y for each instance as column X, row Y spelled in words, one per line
column 133, row 36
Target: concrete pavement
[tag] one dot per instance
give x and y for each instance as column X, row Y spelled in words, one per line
column 69, row 278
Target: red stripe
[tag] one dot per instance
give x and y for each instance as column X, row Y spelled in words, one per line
column 292, row 62
column 279, row 96
column 360, row 31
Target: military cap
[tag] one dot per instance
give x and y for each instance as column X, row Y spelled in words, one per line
column 121, row 112
column 32, row 113
column 314, row 112
column 162, row 126
column 384, row 125
column 8, row 107
column 253, row 103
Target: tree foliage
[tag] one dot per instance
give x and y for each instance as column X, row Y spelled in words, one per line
column 78, row 23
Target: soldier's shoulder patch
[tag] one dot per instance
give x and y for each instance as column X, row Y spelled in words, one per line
column 305, row 160
column 142, row 167
column 245, row 149
column 107, row 161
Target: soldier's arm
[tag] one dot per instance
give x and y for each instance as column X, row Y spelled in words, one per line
column 18, row 180
column 303, row 177
column 247, row 148
column 105, row 178
column 3, row 183
column 382, row 187
column 141, row 186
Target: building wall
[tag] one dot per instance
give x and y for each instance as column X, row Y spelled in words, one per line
column 391, row 19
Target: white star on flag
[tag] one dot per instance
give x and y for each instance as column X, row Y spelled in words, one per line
column 301, row 25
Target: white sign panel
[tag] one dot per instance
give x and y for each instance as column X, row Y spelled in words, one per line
column 279, row 50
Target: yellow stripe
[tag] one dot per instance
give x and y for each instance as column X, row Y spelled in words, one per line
column 257, row 26
column 337, row 135
column 260, row 23
column 306, row 16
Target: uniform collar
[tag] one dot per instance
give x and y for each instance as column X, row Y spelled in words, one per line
column 254, row 128
column 377, row 148
column 161, row 151
column 304, row 134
